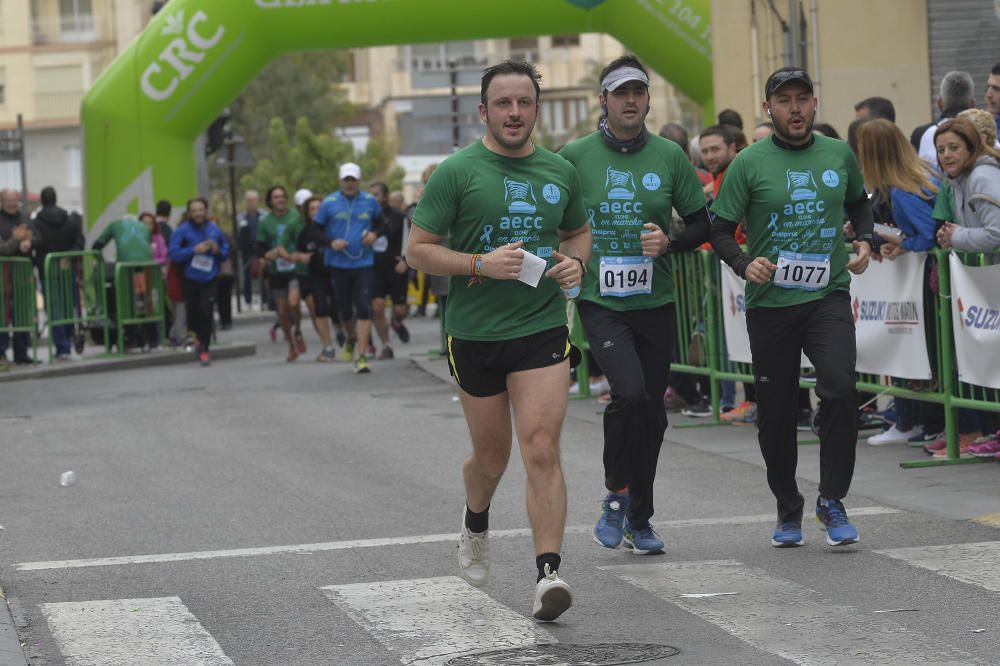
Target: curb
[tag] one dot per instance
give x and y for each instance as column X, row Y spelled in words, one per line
column 10, row 646
column 130, row 362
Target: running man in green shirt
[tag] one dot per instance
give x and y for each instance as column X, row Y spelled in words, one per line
column 132, row 243
column 631, row 181
column 518, row 235
column 282, row 275
column 792, row 189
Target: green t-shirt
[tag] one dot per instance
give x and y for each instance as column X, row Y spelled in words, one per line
column 131, row 240
column 482, row 201
column 944, row 205
column 622, row 192
column 289, row 239
column 793, row 204
column 269, row 231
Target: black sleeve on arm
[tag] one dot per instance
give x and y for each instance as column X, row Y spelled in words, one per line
column 723, row 238
column 862, row 218
column 695, row 232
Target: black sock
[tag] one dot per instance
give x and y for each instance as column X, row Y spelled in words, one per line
column 477, row 523
column 551, row 559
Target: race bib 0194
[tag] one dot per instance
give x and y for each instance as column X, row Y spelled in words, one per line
column 202, row 262
column 810, row 272
column 626, row 276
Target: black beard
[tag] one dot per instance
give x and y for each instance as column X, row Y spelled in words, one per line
column 785, row 134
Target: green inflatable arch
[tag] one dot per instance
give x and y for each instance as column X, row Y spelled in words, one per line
column 143, row 115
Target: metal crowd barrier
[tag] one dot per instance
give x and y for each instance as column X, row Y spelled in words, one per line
column 139, row 297
column 701, row 347
column 18, row 310
column 75, row 292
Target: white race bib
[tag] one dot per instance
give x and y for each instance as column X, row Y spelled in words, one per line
column 381, row 244
column 796, row 270
column 284, row 266
column 626, row 276
column 202, row 262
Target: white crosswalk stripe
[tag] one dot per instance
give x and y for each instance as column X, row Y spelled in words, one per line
column 783, row 617
column 973, row 563
column 428, row 621
column 125, row 632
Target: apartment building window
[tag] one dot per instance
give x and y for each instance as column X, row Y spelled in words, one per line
column 562, row 116
column 3, row 85
column 76, row 18
column 564, row 41
column 58, row 91
column 74, row 166
column 524, row 48
column 435, row 57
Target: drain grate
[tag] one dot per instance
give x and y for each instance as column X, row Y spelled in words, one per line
column 565, row 654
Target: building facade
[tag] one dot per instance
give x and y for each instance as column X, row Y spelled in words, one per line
column 51, row 52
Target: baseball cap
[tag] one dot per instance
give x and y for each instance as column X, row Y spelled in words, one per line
column 622, row 75
column 302, row 195
column 350, row 170
column 783, row 76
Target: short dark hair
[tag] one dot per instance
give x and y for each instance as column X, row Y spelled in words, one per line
column 826, row 129
column 996, row 70
column 627, row 60
column 723, row 131
column 675, row 133
column 270, row 192
column 48, row 196
column 163, row 208
column 878, row 107
column 381, row 186
column 510, row 67
column 730, row 117
column 203, row 200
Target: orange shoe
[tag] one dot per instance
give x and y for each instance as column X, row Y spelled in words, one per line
column 964, row 442
column 300, row 343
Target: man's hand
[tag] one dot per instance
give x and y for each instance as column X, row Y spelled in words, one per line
column 860, row 263
column 302, row 257
column 504, row 263
column 890, row 252
column 203, row 247
column 567, row 271
column 401, row 267
column 368, row 238
column 25, row 246
column 338, row 244
column 654, row 241
column 944, row 234
column 22, row 232
column 760, row 270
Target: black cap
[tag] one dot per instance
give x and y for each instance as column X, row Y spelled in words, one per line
column 783, row 76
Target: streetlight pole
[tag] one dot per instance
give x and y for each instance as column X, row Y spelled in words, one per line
column 231, row 141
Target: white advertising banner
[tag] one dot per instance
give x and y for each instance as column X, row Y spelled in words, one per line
column 975, row 312
column 888, row 305
column 734, row 318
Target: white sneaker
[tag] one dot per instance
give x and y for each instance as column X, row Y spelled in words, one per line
column 473, row 554
column 894, row 436
column 552, row 597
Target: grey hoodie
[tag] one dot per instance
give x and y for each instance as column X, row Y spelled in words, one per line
column 977, row 207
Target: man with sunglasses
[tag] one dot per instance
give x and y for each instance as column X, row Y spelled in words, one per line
column 792, row 189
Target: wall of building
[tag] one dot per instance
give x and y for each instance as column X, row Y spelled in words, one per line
column 964, row 35
column 865, row 48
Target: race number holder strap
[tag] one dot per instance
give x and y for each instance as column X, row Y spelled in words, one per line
column 796, row 270
column 626, row 276
column 202, row 262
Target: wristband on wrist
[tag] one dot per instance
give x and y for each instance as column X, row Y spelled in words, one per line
column 583, row 266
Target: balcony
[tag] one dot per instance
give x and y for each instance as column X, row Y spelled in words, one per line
column 67, row 29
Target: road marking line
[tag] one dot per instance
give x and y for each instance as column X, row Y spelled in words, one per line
column 991, row 519
column 973, row 563
column 120, row 632
column 385, row 542
column 784, row 618
column 432, row 620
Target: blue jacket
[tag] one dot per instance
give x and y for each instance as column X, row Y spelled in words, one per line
column 198, row 267
column 913, row 216
column 349, row 219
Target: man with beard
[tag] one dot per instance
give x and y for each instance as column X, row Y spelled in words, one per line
column 718, row 150
column 510, row 209
column 390, row 272
column 792, row 189
column 631, row 181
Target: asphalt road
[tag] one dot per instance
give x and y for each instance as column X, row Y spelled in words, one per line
column 260, row 512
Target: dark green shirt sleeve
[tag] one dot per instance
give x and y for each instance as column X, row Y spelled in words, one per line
column 944, row 205
column 105, row 236
column 438, row 207
column 574, row 216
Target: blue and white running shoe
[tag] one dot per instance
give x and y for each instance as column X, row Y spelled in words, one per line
column 832, row 517
column 608, row 531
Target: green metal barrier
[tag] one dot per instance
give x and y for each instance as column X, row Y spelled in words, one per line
column 696, row 286
column 18, row 310
column 75, row 292
column 139, row 297
column 578, row 338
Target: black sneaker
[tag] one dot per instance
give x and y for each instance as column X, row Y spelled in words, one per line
column 401, row 331
column 700, row 410
column 804, row 422
column 79, row 342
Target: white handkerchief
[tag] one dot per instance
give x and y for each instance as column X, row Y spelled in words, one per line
column 886, row 229
column 531, row 269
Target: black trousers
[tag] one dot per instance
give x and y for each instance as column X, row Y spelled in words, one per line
column 199, row 302
column 634, row 348
column 824, row 329
column 224, row 301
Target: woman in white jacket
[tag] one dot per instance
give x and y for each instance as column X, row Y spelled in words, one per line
column 974, row 170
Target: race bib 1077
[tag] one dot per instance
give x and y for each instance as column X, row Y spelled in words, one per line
column 797, row 270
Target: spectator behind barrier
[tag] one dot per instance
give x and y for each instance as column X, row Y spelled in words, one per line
column 956, row 95
column 974, row 170
column 875, row 107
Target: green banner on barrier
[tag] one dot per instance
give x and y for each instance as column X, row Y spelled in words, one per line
column 142, row 116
